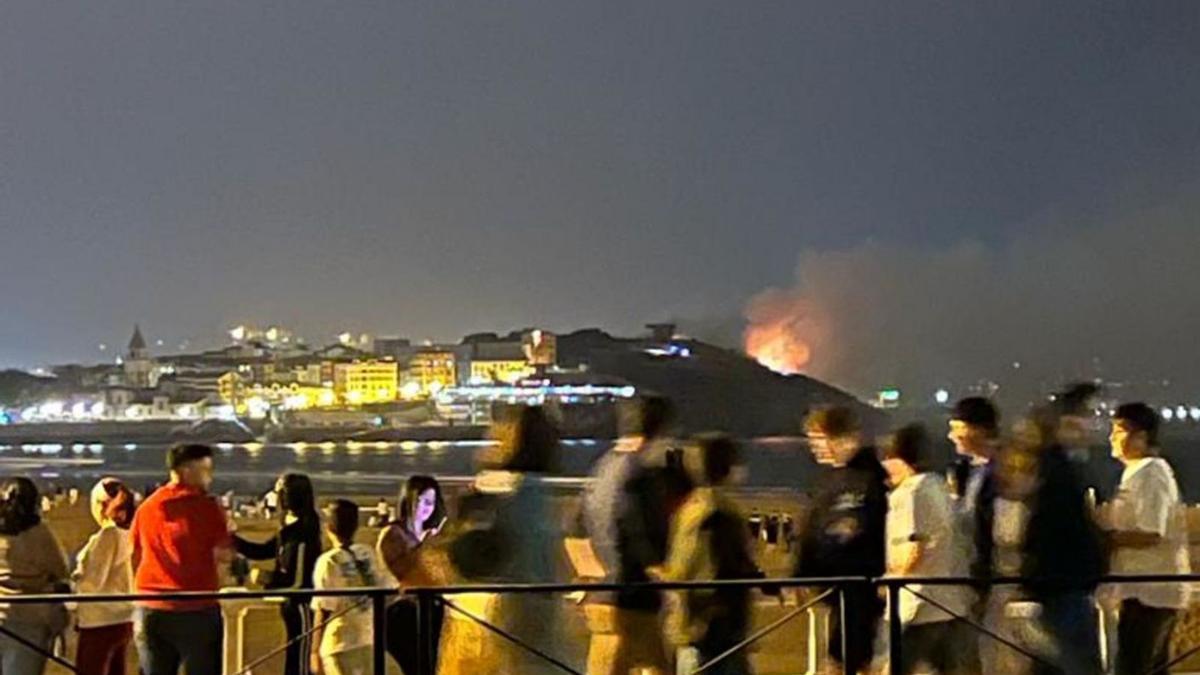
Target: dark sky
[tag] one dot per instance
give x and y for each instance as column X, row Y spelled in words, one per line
column 430, row 169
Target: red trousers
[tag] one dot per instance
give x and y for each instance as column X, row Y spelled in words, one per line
column 102, row 650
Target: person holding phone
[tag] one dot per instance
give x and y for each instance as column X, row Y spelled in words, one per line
column 420, row 518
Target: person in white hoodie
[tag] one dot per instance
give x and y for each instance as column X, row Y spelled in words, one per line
column 105, row 567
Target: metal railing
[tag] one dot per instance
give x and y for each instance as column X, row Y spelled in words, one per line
column 428, row 599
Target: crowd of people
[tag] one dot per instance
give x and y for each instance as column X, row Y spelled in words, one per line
column 1017, row 504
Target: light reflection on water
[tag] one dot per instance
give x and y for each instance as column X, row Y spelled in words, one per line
column 352, row 466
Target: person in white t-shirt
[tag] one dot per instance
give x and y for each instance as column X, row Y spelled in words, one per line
column 922, row 541
column 1148, row 535
column 343, row 645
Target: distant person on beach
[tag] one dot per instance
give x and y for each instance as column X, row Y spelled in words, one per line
column 31, row 562
column 844, row 535
column 923, row 541
column 343, row 635
column 105, row 566
column 401, row 546
column 1147, row 533
column 270, row 503
column 179, row 538
column 382, row 513
column 294, row 549
column 627, row 518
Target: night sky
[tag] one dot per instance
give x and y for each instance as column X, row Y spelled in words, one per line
column 432, row 169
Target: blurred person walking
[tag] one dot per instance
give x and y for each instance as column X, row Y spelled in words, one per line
column 923, row 541
column 294, row 549
column 179, row 537
column 105, row 566
column 627, row 520
column 1147, row 532
column 1062, row 555
column 514, row 535
column 710, row 540
column 844, row 535
column 31, row 562
column 402, row 546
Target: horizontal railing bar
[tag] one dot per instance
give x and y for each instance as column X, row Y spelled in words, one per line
column 648, row 586
column 1008, row 581
column 190, row 596
column 797, row 582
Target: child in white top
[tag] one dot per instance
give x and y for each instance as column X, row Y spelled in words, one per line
column 344, row 635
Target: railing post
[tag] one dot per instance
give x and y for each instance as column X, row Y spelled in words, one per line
column 894, row 628
column 427, row 637
column 379, row 622
column 847, row 667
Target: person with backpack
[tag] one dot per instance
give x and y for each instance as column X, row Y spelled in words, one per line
column 626, row 512
column 710, row 540
column 343, row 635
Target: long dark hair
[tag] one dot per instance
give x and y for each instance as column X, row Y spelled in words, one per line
column 533, row 442
column 296, row 496
column 413, row 488
column 19, row 509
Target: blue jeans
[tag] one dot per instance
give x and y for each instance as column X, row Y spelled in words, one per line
column 18, row 658
column 192, row 639
column 1070, row 619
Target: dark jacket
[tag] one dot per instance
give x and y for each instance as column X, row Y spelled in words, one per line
column 983, row 518
column 844, row 535
column 1063, row 549
column 295, row 550
column 643, row 527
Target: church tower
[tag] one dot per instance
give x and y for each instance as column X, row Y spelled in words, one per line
column 139, row 366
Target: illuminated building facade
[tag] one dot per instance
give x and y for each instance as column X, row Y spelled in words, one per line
column 541, row 348
column 429, row 371
column 366, row 382
column 499, row 371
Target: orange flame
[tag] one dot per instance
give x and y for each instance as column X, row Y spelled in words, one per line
column 777, row 347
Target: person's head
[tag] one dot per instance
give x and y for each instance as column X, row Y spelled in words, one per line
column 528, row 441
column 1016, row 470
column 834, row 435
column 342, row 521
column 719, row 455
column 1074, row 406
column 112, row 502
column 191, row 464
column 906, row 453
column 420, row 502
column 974, row 427
column 649, row 416
column 1037, row 429
column 1134, row 432
column 19, row 508
column 296, row 496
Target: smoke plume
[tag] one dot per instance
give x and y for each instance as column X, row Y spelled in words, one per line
column 1118, row 299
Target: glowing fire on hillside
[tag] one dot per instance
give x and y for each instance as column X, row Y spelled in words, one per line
column 779, row 332
column 778, row 348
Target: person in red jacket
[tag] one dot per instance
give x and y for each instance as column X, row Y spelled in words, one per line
column 179, row 538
